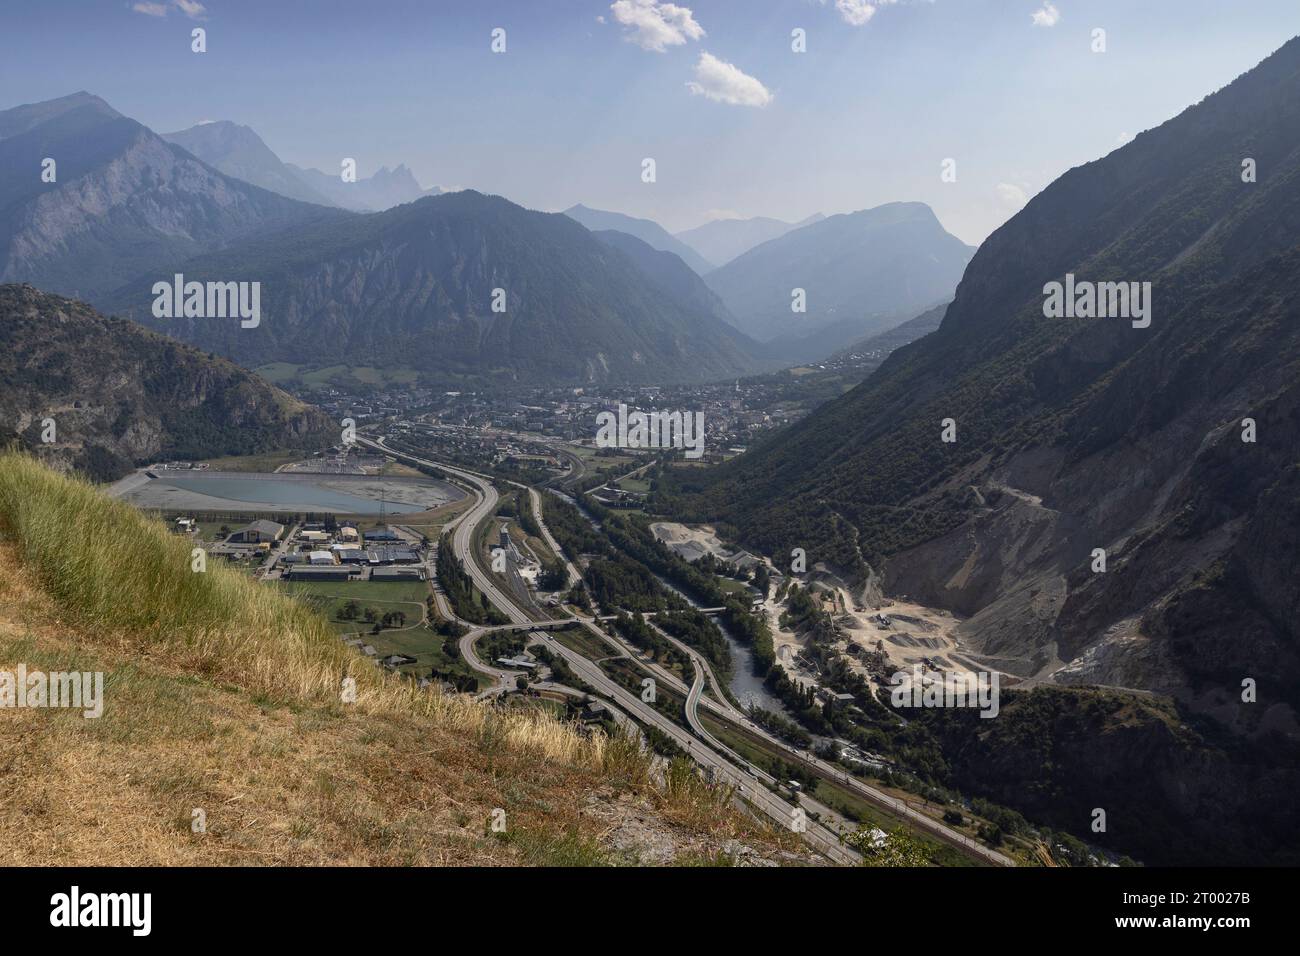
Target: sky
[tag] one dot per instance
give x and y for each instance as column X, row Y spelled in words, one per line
column 737, row 121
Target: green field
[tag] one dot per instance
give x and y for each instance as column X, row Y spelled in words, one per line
column 415, row 639
column 638, row 485
column 731, row 585
column 591, row 456
column 328, row 598
column 266, row 462
column 286, row 373
column 211, row 530
column 277, row 372
column 582, row 641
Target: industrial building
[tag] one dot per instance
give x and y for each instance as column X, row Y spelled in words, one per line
column 257, row 532
column 333, row 572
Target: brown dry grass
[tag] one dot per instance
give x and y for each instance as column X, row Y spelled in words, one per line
column 245, row 725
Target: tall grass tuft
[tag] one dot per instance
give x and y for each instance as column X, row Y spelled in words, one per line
column 125, row 579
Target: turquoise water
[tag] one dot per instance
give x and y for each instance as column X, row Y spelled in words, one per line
column 290, row 494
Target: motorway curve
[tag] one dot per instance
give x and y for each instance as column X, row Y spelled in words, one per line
column 707, row 750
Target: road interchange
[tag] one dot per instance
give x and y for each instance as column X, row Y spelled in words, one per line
column 722, row 762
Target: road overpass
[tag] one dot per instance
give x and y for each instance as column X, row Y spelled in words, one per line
column 706, row 750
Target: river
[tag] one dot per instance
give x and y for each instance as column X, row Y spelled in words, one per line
column 746, row 686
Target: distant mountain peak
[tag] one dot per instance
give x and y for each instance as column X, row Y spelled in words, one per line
column 126, row 201
column 237, row 150
column 413, row 287
column 400, row 173
column 721, row 240
column 647, row 230
column 20, row 119
column 861, row 273
column 84, row 98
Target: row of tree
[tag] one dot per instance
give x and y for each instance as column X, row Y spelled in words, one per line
column 459, row 589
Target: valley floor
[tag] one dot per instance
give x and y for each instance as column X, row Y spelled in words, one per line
column 290, row 778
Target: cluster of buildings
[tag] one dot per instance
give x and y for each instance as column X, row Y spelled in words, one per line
column 313, row 552
column 732, row 414
column 253, row 540
column 339, row 460
column 374, row 405
column 476, row 446
column 381, row 554
column 498, row 424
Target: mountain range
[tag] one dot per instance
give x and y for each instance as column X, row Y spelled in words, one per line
column 677, row 283
column 415, row 287
column 118, row 395
column 861, row 273
column 239, row 152
column 722, row 240
column 649, row 232
column 128, row 208
column 122, row 201
column 1121, row 503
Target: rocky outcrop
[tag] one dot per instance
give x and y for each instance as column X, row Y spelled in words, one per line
column 109, row 394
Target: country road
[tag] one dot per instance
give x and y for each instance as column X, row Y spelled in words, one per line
column 536, row 502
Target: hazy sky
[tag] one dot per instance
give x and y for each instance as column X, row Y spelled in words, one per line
column 737, row 122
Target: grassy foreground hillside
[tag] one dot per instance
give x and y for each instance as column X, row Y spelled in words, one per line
column 223, row 696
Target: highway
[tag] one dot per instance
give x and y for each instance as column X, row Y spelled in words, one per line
column 746, row 784
column 829, row 770
column 706, row 750
column 466, row 524
column 535, row 501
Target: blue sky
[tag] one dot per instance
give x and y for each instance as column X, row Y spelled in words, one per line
column 1010, row 89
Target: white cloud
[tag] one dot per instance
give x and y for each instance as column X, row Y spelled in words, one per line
column 656, row 26
column 1012, row 195
column 191, row 8
column 1048, row 16
column 858, row 12
column 724, row 83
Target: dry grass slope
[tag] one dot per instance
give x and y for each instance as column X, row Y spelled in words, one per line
column 224, row 696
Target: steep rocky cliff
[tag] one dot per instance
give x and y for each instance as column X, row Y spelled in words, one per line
column 119, row 395
column 1120, row 503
